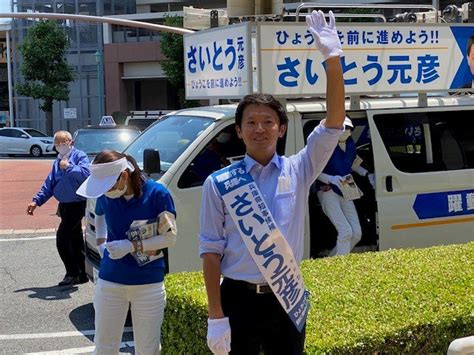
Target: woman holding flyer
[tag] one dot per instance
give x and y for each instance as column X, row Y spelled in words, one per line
column 135, row 219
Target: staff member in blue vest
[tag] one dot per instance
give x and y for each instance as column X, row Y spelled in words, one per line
column 245, row 316
column 69, row 171
column 132, row 268
column 342, row 212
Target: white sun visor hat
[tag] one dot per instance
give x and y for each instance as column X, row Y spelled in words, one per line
column 103, row 177
column 348, row 122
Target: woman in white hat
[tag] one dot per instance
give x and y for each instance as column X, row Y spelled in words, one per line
column 135, row 219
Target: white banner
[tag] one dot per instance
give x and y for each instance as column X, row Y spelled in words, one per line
column 218, row 62
column 378, row 58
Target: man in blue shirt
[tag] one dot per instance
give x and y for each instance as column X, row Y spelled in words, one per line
column 69, row 171
column 245, row 316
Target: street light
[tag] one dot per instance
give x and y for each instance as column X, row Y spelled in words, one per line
column 98, row 60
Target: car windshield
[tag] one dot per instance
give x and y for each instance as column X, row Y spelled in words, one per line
column 171, row 136
column 93, row 141
column 141, row 123
column 34, row 133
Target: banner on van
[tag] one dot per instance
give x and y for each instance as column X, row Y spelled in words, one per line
column 378, row 58
column 444, row 204
column 218, row 62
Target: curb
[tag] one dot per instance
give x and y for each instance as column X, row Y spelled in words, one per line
column 35, row 232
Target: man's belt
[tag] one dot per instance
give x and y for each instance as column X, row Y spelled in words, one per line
column 260, row 289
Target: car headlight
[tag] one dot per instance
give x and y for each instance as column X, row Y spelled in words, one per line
column 45, row 141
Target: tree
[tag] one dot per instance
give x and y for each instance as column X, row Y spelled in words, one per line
column 44, row 68
column 173, row 66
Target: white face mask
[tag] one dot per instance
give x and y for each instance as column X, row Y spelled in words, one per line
column 63, row 149
column 117, row 193
column 345, row 135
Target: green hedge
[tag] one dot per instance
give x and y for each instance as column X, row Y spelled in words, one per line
column 410, row 301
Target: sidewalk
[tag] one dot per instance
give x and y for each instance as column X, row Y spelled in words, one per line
column 19, row 182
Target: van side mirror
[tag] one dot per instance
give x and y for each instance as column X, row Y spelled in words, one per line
column 151, row 161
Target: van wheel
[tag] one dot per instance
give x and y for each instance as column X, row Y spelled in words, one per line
column 36, row 151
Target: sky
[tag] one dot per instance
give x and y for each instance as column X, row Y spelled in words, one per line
column 4, row 7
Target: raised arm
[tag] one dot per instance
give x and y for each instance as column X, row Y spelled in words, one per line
column 328, row 43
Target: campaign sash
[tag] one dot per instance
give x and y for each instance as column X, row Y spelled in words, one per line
column 264, row 241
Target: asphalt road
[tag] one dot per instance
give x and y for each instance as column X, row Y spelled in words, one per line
column 36, row 316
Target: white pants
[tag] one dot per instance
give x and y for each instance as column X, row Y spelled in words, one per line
column 343, row 215
column 111, row 302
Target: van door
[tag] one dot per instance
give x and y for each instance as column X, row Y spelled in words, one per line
column 424, row 167
column 220, row 148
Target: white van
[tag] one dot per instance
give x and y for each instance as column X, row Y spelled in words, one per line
column 422, row 157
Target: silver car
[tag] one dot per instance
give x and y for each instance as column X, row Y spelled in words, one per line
column 19, row 140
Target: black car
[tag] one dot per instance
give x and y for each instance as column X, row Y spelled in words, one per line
column 94, row 139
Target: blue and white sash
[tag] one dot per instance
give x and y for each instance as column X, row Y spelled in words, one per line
column 264, row 241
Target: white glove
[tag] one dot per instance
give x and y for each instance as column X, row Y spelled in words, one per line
column 101, row 249
column 325, row 36
column 371, row 178
column 336, row 180
column 218, row 335
column 119, row 248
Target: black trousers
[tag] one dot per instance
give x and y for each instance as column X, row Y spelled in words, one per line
column 258, row 322
column 69, row 238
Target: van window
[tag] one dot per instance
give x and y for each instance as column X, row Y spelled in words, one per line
column 224, row 149
column 428, row 141
column 171, row 136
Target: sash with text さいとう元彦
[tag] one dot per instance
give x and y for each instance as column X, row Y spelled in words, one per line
column 264, row 241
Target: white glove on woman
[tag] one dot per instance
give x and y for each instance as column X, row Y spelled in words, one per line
column 101, row 249
column 325, row 36
column 119, row 248
column 336, row 180
column 218, row 335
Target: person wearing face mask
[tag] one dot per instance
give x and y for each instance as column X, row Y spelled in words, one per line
column 125, row 196
column 69, row 171
column 342, row 212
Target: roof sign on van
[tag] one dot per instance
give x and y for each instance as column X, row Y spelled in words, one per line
column 444, row 204
column 218, row 62
column 378, row 58
column 107, row 121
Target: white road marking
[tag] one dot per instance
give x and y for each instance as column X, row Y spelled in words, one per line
column 86, row 349
column 73, row 333
column 31, row 238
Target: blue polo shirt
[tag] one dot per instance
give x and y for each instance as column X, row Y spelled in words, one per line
column 119, row 215
column 340, row 163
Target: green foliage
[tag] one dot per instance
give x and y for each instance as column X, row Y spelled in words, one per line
column 399, row 301
column 44, row 68
column 173, row 66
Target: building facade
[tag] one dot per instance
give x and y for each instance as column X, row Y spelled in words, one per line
column 85, row 55
column 117, row 69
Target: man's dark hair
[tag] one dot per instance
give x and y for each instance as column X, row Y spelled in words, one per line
column 470, row 42
column 264, row 100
